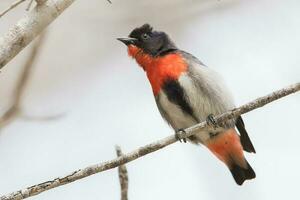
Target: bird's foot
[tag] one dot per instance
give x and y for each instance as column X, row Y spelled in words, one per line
column 180, row 135
column 211, row 120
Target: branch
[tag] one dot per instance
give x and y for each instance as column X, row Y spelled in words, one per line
column 21, row 34
column 142, row 151
column 123, row 176
column 12, row 6
column 29, row 5
column 14, row 109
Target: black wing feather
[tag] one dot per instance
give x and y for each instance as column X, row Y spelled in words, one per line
column 245, row 140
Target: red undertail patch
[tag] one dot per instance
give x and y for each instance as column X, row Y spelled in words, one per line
column 227, row 147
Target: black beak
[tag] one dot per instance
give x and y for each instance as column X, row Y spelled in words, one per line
column 127, row 41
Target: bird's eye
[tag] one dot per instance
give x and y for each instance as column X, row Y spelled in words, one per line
column 145, row 36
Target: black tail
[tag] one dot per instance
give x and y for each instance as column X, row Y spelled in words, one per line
column 241, row 174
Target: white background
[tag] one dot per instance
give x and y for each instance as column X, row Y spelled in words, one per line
column 84, row 72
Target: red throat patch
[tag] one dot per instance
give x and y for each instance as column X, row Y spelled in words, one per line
column 158, row 69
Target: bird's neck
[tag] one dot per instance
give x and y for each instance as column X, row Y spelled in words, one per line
column 160, row 68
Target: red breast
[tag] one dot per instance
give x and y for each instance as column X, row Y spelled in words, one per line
column 159, row 69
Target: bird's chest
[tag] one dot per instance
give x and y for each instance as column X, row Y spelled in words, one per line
column 164, row 68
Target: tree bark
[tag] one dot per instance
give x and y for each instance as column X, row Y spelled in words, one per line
column 26, row 29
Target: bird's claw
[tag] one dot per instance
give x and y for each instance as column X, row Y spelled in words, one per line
column 180, row 135
column 211, row 120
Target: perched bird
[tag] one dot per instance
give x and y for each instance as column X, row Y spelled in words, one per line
column 187, row 92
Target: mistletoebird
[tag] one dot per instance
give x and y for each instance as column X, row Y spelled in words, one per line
column 187, row 92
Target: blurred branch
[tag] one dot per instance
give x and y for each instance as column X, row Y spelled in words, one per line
column 43, row 117
column 12, row 6
column 29, row 5
column 14, row 109
column 123, row 177
column 152, row 147
column 27, row 28
column 38, row 2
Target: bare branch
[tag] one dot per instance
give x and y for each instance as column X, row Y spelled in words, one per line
column 152, row 147
column 12, row 6
column 21, row 34
column 123, row 177
column 14, row 109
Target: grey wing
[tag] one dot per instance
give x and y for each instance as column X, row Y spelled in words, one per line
column 206, row 90
column 216, row 98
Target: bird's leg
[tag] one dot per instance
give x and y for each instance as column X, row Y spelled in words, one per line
column 180, row 135
column 211, row 121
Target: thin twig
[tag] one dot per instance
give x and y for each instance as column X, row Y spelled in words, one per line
column 14, row 110
column 12, row 6
column 123, row 177
column 142, row 151
column 51, row 117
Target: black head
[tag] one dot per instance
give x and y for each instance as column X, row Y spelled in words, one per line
column 152, row 42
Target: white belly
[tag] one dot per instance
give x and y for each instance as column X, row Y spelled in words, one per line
column 178, row 119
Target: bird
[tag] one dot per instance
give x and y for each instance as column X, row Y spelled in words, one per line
column 188, row 92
